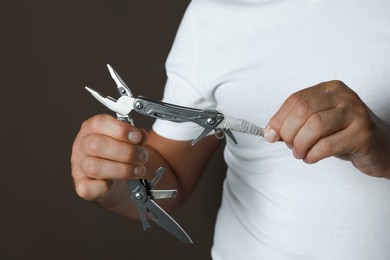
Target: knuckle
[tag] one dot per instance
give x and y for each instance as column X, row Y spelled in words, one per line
column 90, row 167
column 337, row 83
column 93, row 144
column 129, row 153
column 83, row 191
column 326, row 146
column 275, row 121
column 107, row 124
column 85, row 124
column 353, row 99
column 287, row 137
column 75, row 153
column 124, row 171
column 334, row 86
column 95, row 122
column 344, row 92
column 316, row 121
column 301, row 108
column 123, row 128
column 73, row 160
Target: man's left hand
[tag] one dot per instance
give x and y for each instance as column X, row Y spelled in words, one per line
column 330, row 119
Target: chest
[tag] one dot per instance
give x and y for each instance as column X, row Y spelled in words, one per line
column 254, row 60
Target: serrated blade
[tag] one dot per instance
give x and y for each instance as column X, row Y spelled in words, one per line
column 241, row 126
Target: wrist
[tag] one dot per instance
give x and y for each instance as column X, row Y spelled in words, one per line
column 382, row 147
column 373, row 157
column 117, row 199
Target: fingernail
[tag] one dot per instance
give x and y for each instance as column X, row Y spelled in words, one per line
column 143, row 155
column 139, row 171
column 295, row 154
column 135, row 136
column 270, row 135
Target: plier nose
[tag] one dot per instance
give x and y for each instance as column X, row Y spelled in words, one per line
column 123, row 106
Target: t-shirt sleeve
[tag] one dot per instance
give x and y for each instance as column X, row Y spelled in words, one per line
column 181, row 87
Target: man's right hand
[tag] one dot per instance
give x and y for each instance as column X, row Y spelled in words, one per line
column 106, row 149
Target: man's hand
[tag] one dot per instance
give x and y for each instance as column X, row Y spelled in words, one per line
column 106, row 149
column 107, row 152
column 329, row 119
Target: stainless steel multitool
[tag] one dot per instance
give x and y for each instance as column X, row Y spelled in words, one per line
column 142, row 191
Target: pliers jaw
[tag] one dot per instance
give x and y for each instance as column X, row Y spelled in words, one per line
column 122, row 87
column 122, row 106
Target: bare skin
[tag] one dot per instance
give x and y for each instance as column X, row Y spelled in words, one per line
column 103, row 151
column 325, row 120
column 329, row 119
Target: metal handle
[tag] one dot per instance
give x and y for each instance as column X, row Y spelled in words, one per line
column 206, row 118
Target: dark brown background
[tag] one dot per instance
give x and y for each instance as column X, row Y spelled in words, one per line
column 49, row 51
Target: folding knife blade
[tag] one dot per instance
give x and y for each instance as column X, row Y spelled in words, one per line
column 160, row 217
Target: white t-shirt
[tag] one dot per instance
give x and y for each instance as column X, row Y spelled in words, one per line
column 244, row 58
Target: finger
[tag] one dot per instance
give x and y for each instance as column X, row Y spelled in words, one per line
column 298, row 107
column 302, row 107
column 110, row 126
column 144, row 136
column 90, row 189
column 274, row 126
column 102, row 146
column 96, row 168
column 319, row 125
column 336, row 144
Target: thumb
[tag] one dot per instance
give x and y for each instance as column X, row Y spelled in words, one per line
column 270, row 134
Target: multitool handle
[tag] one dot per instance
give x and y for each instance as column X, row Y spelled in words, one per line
column 206, row 118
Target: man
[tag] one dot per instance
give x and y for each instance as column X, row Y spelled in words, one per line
column 316, row 73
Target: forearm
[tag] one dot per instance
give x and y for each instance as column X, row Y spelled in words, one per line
column 381, row 166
